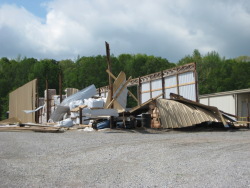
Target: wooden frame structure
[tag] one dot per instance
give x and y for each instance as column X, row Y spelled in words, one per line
column 181, row 80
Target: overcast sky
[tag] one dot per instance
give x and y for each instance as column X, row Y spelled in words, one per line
column 171, row 29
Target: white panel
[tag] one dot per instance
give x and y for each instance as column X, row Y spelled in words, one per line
column 156, row 93
column 188, row 92
column 145, row 97
column 204, row 101
column 224, row 103
column 186, row 77
column 156, row 84
column 170, row 90
column 170, row 81
column 105, row 94
column 145, row 87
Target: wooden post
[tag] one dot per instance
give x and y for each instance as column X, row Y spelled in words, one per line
column 47, row 99
column 196, row 82
column 163, row 85
column 110, row 80
column 150, row 87
column 37, row 104
column 99, row 92
column 139, row 92
column 177, row 84
column 248, row 118
column 60, row 85
column 80, row 112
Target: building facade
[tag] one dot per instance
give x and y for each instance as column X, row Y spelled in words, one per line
column 235, row 102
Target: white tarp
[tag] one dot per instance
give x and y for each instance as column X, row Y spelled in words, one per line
column 99, row 112
column 30, row 111
column 58, row 114
column 66, row 123
column 94, row 103
column 81, row 95
column 74, row 104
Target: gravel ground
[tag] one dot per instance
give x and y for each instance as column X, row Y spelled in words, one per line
column 119, row 158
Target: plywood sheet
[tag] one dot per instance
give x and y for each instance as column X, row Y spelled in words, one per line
column 23, row 98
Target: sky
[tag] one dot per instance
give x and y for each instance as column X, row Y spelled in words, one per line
column 63, row 29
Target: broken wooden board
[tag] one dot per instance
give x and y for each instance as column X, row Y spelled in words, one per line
column 83, row 126
column 120, row 80
column 34, row 129
column 116, row 96
column 131, row 94
column 77, row 109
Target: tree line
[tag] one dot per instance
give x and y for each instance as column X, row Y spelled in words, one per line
column 215, row 73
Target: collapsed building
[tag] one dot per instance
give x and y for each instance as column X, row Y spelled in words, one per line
column 165, row 99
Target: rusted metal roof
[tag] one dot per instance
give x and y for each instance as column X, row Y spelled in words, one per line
column 183, row 113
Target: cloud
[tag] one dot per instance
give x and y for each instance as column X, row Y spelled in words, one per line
column 166, row 28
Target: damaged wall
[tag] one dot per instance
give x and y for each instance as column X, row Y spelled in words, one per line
column 23, row 98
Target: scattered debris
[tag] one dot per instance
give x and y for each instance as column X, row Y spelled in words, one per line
column 87, row 111
column 11, row 121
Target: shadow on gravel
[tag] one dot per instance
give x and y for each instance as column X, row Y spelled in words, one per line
column 197, row 128
column 140, row 130
column 216, row 127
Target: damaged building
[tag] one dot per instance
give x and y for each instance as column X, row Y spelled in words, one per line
column 165, row 99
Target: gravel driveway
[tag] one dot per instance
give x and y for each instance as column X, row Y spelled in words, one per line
column 119, row 158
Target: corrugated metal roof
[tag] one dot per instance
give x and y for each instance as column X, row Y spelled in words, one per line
column 175, row 114
column 141, row 107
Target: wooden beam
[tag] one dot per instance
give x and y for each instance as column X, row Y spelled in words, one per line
column 78, row 108
column 110, row 80
column 163, row 85
column 177, row 83
column 47, row 100
column 80, row 112
column 129, row 92
column 119, row 93
column 60, row 85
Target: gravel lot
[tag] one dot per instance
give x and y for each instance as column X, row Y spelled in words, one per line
column 119, row 158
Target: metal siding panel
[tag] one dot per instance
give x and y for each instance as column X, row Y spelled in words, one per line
column 186, row 77
column 170, row 81
column 156, row 84
column 224, row 103
column 145, row 97
column 156, row 93
column 145, row 87
column 188, row 92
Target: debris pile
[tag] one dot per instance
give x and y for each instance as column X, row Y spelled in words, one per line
column 89, row 109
